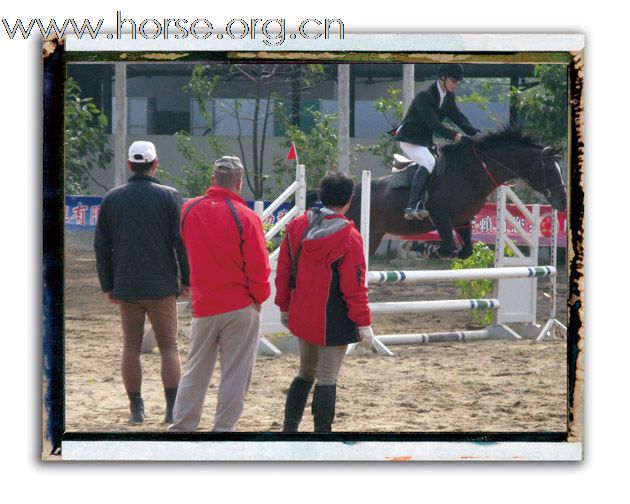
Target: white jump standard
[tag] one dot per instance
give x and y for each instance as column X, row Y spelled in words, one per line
column 516, row 274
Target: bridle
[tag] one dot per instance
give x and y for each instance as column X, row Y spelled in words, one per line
column 545, row 155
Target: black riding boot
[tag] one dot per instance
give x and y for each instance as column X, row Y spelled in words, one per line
column 324, row 407
column 415, row 209
column 136, row 406
column 296, row 401
column 170, row 394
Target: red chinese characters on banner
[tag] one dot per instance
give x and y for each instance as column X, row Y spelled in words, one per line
column 485, row 226
column 79, row 213
column 94, row 214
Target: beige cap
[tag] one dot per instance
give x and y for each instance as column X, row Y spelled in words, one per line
column 228, row 164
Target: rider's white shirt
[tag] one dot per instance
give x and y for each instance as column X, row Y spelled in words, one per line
column 442, row 93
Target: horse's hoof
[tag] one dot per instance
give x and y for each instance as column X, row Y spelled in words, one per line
column 464, row 254
column 447, row 256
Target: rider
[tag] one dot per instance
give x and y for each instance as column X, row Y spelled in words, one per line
column 423, row 118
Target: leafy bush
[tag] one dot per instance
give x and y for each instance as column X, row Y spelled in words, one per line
column 482, row 257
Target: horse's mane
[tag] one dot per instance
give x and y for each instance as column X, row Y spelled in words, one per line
column 505, row 136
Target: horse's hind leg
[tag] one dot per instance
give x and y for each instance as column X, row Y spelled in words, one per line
column 443, row 225
column 465, row 233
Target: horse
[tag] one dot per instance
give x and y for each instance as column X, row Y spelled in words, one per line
column 459, row 189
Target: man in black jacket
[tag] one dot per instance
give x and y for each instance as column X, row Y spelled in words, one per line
column 423, row 119
column 136, row 242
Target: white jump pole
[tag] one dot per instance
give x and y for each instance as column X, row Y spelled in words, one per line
column 435, row 306
column 452, row 275
column 444, row 337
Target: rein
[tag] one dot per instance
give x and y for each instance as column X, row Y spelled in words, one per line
column 547, row 190
column 485, row 166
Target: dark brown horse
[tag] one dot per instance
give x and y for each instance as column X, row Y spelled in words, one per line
column 460, row 189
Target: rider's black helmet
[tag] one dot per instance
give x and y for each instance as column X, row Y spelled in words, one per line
column 452, row 70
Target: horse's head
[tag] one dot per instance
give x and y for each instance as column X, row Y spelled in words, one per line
column 512, row 153
column 546, row 178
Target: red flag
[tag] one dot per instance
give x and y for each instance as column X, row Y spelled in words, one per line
column 292, row 154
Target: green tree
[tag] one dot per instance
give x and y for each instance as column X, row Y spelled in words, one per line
column 316, row 149
column 482, row 91
column 391, row 107
column 86, row 147
column 544, row 108
column 260, row 84
column 197, row 170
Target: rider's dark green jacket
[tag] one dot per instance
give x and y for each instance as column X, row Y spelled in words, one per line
column 425, row 116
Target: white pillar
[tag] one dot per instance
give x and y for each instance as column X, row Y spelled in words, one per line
column 343, row 118
column 366, row 191
column 409, row 88
column 120, row 124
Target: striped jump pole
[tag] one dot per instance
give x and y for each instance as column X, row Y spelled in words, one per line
column 469, row 274
column 438, row 337
column 435, row 306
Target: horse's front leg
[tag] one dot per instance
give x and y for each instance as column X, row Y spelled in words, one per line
column 465, row 233
column 444, row 226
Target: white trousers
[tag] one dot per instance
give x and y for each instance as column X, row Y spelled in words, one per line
column 420, row 154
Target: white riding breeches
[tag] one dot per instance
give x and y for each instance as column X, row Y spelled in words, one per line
column 420, row 154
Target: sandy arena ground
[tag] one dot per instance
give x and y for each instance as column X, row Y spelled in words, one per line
column 493, row 386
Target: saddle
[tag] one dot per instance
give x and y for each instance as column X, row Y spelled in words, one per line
column 404, row 169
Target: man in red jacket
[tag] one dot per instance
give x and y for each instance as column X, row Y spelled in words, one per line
column 322, row 296
column 229, row 273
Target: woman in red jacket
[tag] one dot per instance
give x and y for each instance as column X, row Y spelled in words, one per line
column 322, row 296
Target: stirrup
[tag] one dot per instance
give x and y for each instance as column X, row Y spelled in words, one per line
column 410, row 214
column 421, row 212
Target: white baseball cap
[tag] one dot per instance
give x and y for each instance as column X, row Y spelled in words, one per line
column 142, row 152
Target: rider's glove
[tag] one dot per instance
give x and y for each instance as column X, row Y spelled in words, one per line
column 467, row 141
column 366, row 335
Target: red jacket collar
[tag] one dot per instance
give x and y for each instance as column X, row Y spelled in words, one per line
column 215, row 191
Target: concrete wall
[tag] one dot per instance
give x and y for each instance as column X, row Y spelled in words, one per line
column 171, row 160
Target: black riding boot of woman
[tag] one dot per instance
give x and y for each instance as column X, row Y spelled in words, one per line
column 324, row 398
column 296, row 401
